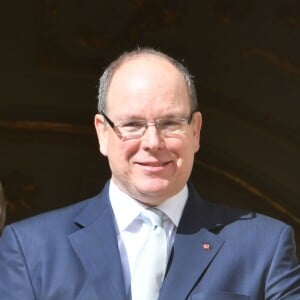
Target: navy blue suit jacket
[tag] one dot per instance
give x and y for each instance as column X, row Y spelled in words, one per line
column 218, row 254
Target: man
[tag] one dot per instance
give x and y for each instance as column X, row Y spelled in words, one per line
column 149, row 129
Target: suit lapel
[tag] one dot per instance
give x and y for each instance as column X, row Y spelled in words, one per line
column 96, row 246
column 194, row 249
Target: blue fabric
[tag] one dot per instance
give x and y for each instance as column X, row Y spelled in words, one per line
column 219, row 253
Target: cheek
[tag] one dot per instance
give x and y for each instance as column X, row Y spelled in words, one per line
column 121, row 152
column 184, row 151
column 178, row 147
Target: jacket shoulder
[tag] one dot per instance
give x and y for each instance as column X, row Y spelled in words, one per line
column 58, row 220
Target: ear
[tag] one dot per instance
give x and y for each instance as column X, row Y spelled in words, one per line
column 197, row 125
column 102, row 133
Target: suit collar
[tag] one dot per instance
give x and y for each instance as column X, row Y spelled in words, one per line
column 197, row 243
column 95, row 244
column 195, row 247
column 95, row 207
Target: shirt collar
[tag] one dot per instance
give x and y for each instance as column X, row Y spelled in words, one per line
column 173, row 206
column 126, row 209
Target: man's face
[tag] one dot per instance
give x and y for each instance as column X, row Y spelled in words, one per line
column 151, row 168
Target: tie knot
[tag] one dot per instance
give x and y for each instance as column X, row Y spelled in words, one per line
column 153, row 217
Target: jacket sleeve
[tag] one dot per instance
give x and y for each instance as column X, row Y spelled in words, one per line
column 283, row 278
column 15, row 283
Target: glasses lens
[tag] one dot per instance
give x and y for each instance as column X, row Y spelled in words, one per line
column 172, row 125
column 166, row 127
column 134, row 128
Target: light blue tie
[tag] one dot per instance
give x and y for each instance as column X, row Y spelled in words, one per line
column 151, row 262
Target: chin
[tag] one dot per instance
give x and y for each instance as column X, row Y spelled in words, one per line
column 154, row 191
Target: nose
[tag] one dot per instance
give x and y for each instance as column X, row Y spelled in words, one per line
column 152, row 139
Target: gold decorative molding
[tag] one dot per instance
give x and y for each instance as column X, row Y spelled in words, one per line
column 274, row 59
column 45, row 126
column 250, row 188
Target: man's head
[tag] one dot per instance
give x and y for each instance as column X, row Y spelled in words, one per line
column 154, row 162
column 108, row 74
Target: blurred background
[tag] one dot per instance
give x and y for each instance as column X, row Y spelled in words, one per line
column 244, row 54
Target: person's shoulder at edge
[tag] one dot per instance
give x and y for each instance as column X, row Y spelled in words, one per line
column 224, row 214
column 60, row 218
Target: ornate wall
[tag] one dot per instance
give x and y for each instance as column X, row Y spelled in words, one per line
column 245, row 58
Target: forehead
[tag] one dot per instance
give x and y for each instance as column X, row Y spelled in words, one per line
column 147, row 78
column 146, row 64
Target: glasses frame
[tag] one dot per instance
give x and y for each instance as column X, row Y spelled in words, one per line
column 113, row 126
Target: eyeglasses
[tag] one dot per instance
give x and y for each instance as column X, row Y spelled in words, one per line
column 135, row 129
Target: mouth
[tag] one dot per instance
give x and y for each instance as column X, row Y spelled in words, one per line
column 155, row 169
column 153, row 164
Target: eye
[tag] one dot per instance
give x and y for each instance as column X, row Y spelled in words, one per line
column 136, row 123
column 133, row 125
column 169, row 123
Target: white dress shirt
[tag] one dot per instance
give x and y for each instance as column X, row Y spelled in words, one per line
column 131, row 230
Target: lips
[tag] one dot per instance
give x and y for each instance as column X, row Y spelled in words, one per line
column 153, row 164
column 154, row 168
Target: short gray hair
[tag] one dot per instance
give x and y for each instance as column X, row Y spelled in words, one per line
column 109, row 72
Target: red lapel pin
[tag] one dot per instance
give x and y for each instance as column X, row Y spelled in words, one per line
column 206, row 247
